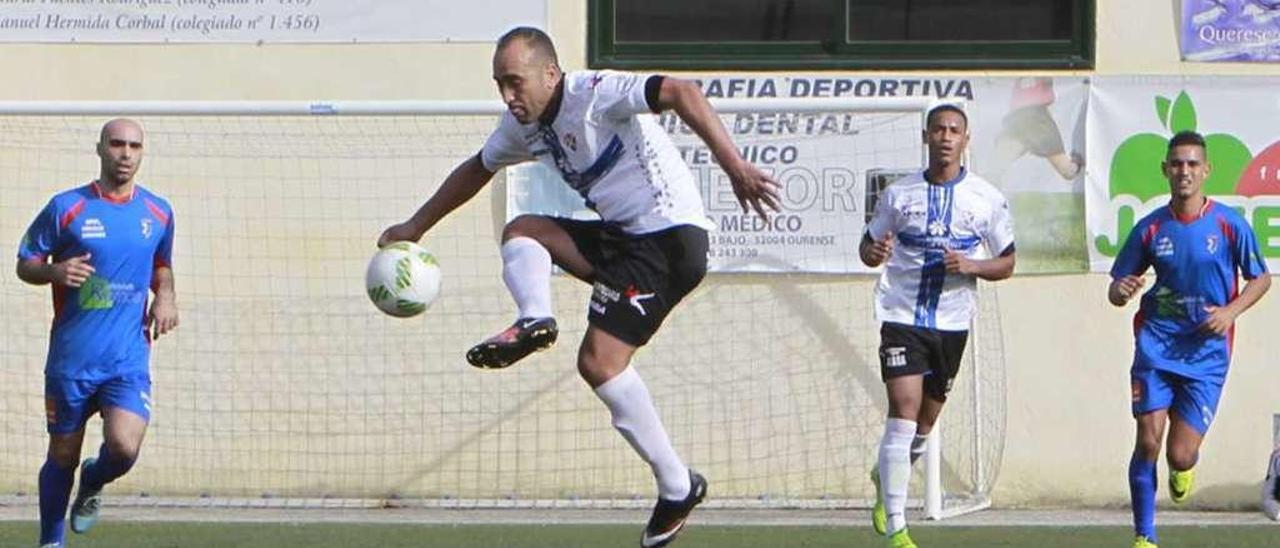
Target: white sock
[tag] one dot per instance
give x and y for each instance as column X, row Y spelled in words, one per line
column 895, row 470
column 526, row 268
column 918, row 447
column 636, row 419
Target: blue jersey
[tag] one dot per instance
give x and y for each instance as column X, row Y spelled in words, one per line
column 98, row 330
column 1196, row 262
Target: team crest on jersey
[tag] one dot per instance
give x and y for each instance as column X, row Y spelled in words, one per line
column 146, row 228
column 1211, row 243
column 1164, row 247
column 92, row 229
column 570, row 141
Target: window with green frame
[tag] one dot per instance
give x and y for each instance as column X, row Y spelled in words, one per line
column 840, row 34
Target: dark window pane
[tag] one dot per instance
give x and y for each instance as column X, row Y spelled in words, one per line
column 974, row 20
column 725, row 20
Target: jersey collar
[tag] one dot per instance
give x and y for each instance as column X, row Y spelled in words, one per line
column 1187, row 219
column 959, row 177
column 97, row 192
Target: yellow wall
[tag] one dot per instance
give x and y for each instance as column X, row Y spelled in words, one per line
column 1068, row 351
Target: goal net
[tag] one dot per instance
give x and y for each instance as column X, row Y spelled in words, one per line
column 284, row 385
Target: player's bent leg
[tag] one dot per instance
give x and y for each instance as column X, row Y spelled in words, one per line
column 1183, row 452
column 555, row 239
column 55, row 481
column 1142, row 473
column 530, row 245
column 603, row 361
column 124, row 427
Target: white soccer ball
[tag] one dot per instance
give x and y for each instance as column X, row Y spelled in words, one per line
column 403, row 279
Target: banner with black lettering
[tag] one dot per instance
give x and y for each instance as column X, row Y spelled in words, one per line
column 1024, row 136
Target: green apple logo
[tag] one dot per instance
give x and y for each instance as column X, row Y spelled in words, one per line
column 1135, row 166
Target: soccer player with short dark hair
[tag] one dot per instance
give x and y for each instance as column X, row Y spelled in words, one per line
column 1183, row 327
column 936, row 231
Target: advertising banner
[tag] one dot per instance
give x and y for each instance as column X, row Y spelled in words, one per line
column 215, row 21
column 1230, row 30
column 1026, row 137
column 1130, row 122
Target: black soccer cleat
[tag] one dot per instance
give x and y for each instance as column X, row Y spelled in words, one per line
column 526, row 336
column 669, row 517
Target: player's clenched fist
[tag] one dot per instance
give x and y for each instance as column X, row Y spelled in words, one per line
column 878, row 251
column 1123, row 289
column 73, row 272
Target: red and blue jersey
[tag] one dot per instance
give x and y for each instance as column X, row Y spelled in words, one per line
column 98, row 329
column 1197, row 262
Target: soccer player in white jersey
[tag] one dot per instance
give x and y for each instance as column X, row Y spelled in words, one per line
column 649, row 250
column 936, row 232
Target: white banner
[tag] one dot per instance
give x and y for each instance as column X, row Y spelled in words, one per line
column 1026, row 138
column 1130, row 122
column 142, row 21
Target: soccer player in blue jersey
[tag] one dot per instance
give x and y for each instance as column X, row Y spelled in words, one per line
column 102, row 246
column 1183, row 327
column 936, row 231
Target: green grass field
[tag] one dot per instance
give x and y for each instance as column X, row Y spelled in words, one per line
column 237, row 535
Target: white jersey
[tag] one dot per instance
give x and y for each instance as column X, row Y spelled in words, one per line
column 607, row 145
column 967, row 215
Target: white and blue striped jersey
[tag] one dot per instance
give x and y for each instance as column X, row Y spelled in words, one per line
column 966, row 214
column 607, row 145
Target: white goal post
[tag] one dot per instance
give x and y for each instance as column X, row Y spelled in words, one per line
column 284, row 384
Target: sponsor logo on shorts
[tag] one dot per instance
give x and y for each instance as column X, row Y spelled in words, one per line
column 146, row 400
column 894, row 356
column 601, row 296
column 1206, row 414
column 634, row 296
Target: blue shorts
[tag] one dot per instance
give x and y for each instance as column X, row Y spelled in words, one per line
column 69, row 403
column 1195, row 401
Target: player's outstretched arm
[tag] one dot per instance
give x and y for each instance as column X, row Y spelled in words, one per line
column 754, row 189
column 163, row 316
column 70, row 273
column 1123, row 289
column 1221, row 318
column 461, row 185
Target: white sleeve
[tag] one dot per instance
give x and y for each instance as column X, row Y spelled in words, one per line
column 504, row 146
column 620, row 95
column 882, row 220
column 999, row 234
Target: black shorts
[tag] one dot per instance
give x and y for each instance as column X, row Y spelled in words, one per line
column 638, row 278
column 910, row 350
column 1033, row 126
